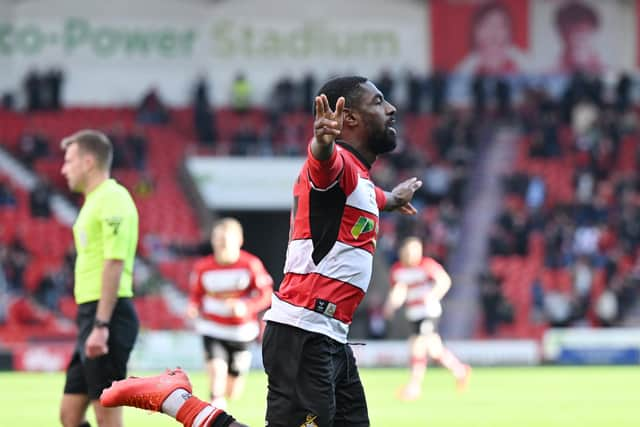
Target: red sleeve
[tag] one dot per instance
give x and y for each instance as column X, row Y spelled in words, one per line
column 323, row 173
column 381, row 198
column 196, row 292
column 262, row 285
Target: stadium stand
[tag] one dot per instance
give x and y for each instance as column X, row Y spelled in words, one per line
column 553, row 163
column 564, row 247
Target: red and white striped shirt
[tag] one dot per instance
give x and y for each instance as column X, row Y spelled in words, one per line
column 213, row 284
column 334, row 226
column 420, row 281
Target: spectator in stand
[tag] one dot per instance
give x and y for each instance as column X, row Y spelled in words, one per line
column 583, row 276
column 623, row 93
column 535, row 194
column 437, row 182
column 510, row 233
column 438, row 91
column 558, row 308
column 33, row 90
column 386, row 84
column 8, row 101
column 15, row 259
column 414, row 92
column 551, row 141
column 537, row 302
column 503, row 97
column 152, row 109
column 49, row 291
column 51, row 82
column 479, row 94
column 203, row 116
column 606, row 308
column 136, row 143
column 245, row 140
column 117, row 136
column 307, row 90
column 31, row 147
column 558, row 234
column 495, row 306
column 283, row 98
column 7, row 197
column 39, row 200
column 241, row 94
column 144, row 186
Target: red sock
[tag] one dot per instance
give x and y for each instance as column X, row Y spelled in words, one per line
column 192, row 408
column 418, row 362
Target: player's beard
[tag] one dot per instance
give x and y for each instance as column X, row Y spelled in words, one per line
column 382, row 140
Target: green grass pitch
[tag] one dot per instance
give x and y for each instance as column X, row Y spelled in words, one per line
column 497, row 397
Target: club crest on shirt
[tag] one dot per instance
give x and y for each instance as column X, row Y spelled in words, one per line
column 310, row 421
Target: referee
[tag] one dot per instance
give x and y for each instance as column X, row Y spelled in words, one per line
column 106, row 236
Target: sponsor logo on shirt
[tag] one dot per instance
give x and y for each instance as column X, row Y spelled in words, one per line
column 363, row 225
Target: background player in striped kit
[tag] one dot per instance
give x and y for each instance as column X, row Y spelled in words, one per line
column 420, row 283
column 228, row 290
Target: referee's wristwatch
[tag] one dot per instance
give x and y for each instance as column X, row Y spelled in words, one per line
column 100, row 324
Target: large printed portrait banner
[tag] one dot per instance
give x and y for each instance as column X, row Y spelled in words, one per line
column 498, row 37
column 583, row 35
column 476, row 36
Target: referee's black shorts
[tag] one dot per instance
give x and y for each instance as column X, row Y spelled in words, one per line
column 313, row 380
column 90, row 376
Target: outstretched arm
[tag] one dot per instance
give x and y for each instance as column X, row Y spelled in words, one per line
column 400, row 197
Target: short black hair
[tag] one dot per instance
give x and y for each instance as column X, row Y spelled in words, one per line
column 347, row 86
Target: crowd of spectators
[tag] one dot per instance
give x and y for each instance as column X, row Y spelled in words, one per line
column 595, row 230
column 593, row 234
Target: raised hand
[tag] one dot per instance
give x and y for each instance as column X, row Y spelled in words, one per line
column 328, row 123
column 401, row 195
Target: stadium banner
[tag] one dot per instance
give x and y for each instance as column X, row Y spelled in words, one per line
column 545, row 37
column 478, row 353
column 169, row 43
column 244, row 183
column 158, row 350
column 475, row 36
column 589, row 35
column 42, row 357
column 587, row 346
column 161, row 349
